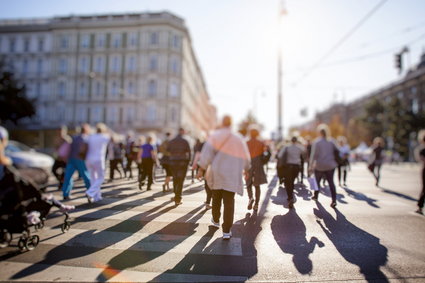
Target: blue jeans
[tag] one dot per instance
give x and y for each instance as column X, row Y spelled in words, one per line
column 72, row 165
column 329, row 176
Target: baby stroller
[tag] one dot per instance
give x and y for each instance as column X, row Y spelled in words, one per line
column 22, row 206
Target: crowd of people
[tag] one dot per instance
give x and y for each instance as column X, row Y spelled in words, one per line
column 223, row 159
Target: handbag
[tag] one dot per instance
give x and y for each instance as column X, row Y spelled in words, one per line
column 64, row 150
column 313, row 183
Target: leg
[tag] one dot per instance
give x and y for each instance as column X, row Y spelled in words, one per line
column 209, row 193
column 217, row 196
column 228, row 211
column 82, row 170
column 339, row 174
column 111, row 169
column 345, row 175
column 68, row 182
column 329, row 175
column 422, row 195
column 318, row 175
column 257, row 197
column 93, row 177
column 149, row 167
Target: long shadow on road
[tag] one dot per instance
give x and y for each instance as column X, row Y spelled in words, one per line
column 356, row 245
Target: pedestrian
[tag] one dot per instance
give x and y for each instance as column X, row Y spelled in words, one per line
column 323, row 161
column 377, row 159
column 344, row 166
column 148, row 157
column 62, row 150
column 115, row 156
column 165, row 162
column 77, row 155
column 228, row 155
column 131, row 151
column 256, row 174
column 95, row 160
column 281, row 162
column 195, row 168
column 295, row 153
column 420, row 157
column 179, row 150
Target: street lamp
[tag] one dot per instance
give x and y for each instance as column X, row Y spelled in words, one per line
column 282, row 12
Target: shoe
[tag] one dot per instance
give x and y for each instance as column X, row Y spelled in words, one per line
column 149, row 188
column 227, row 236
column 66, row 198
column 314, row 198
column 333, row 204
column 215, row 224
column 207, row 206
column 89, row 199
column 291, row 204
column 255, row 207
column 163, row 188
column 250, row 203
column 419, row 210
column 345, row 184
column 178, row 203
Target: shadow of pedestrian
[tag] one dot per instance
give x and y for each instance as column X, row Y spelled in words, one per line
column 397, row 194
column 289, row 232
column 354, row 244
column 361, row 197
column 327, row 192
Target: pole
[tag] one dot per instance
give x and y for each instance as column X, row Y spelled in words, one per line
column 280, row 74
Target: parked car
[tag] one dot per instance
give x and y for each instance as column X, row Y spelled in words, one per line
column 26, row 157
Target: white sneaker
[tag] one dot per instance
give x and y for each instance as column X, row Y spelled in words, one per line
column 208, row 206
column 214, row 224
column 227, row 236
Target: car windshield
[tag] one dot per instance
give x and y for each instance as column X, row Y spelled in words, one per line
column 14, row 146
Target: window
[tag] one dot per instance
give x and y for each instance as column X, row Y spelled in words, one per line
column 130, row 114
column 39, row 66
column 131, row 67
column 98, row 89
column 116, row 41
column 130, row 88
column 25, row 65
column 154, row 38
column 61, row 90
column 84, row 65
column 63, row 66
column 173, row 115
column 85, row 41
column 133, row 39
column 400, row 95
column 64, row 42
column 12, row 45
column 153, row 63
column 40, row 44
column 81, row 114
column 116, row 64
column 26, row 45
column 97, row 113
column 101, row 39
column 152, row 88
column 82, row 89
column 174, row 90
column 114, row 88
column 113, row 114
column 38, row 89
column 151, row 113
column 174, row 65
column 99, row 65
column 176, row 41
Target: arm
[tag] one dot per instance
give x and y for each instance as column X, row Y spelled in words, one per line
column 4, row 160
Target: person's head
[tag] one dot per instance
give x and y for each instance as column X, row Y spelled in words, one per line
column 181, row 131
column 101, row 128
column 227, row 121
column 142, row 139
column 254, row 132
column 378, row 141
column 167, row 135
column 202, row 137
column 421, row 136
column 85, row 128
column 149, row 139
column 342, row 140
column 323, row 130
column 294, row 139
column 4, row 136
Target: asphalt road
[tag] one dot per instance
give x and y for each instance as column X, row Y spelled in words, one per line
column 374, row 235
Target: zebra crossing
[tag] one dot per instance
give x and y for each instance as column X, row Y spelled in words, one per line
column 132, row 235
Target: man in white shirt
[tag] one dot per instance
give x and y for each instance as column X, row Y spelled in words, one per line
column 227, row 154
column 95, row 161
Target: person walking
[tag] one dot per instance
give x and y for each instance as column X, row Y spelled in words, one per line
column 179, row 150
column 63, row 146
column 148, row 157
column 77, row 154
column 95, row 160
column 130, row 154
column 256, row 174
column 115, row 156
column 344, row 154
column 420, row 157
column 377, row 159
column 197, row 152
column 323, row 162
column 295, row 153
column 228, row 155
column 165, row 162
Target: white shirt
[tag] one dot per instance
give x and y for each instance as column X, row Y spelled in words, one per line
column 97, row 144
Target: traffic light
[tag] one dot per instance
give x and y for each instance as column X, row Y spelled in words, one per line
column 398, row 62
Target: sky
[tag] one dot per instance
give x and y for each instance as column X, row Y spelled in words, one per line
column 236, row 44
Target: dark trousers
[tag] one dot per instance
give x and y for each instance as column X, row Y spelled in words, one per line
column 342, row 174
column 58, row 170
column 113, row 166
column 147, row 171
column 257, row 193
column 422, row 195
column 209, row 192
column 228, row 199
column 130, row 161
column 179, row 171
column 291, row 174
column 329, row 177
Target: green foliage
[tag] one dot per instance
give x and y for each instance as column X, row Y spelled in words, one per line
column 373, row 118
column 14, row 105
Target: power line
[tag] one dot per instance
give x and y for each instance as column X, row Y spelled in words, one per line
column 341, row 41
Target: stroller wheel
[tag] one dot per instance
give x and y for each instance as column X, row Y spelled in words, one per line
column 65, row 227
column 22, row 244
column 5, row 239
column 32, row 242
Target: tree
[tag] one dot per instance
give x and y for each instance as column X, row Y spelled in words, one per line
column 373, row 118
column 14, row 105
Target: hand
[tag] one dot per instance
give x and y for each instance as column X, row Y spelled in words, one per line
column 194, row 166
column 200, row 174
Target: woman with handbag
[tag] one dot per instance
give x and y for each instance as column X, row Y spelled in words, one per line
column 256, row 175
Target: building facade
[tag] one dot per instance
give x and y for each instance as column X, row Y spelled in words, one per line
column 131, row 71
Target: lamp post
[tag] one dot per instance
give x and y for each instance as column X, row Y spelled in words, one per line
column 282, row 12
